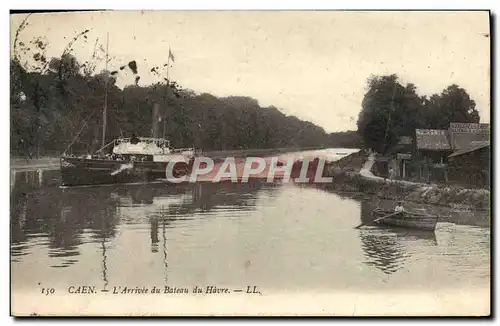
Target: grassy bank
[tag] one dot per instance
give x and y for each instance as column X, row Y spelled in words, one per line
column 346, row 178
column 20, row 163
column 218, row 155
column 43, row 163
column 350, row 163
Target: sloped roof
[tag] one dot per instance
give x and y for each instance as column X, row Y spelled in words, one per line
column 474, row 146
column 464, row 140
column 462, row 135
column 469, row 127
column 432, row 139
column 481, row 143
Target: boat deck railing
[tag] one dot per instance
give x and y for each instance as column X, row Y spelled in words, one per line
column 181, row 150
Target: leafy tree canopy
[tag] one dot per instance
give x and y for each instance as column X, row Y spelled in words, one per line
column 55, row 99
column 391, row 109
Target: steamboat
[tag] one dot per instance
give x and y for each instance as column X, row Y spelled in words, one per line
column 127, row 160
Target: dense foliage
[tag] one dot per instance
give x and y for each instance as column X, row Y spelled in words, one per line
column 50, row 107
column 55, row 101
column 390, row 110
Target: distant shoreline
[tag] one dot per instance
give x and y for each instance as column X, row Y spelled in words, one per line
column 52, row 163
column 43, row 163
column 353, row 174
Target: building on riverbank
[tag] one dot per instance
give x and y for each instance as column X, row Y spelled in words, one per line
column 431, row 154
column 463, row 135
column 471, row 165
column 459, row 154
column 401, row 163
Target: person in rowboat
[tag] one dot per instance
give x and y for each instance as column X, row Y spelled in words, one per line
column 399, row 208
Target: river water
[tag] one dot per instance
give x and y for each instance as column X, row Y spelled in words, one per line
column 279, row 237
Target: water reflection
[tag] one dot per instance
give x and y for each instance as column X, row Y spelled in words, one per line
column 383, row 251
column 66, row 218
column 104, row 265
column 154, row 234
column 387, row 248
column 165, row 260
column 209, row 233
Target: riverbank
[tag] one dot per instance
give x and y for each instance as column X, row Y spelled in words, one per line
column 353, row 174
column 242, row 153
column 43, row 163
column 52, row 163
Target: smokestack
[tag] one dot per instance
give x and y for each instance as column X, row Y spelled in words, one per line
column 156, row 120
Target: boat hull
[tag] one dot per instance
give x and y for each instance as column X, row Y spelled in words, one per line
column 81, row 171
column 407, row 220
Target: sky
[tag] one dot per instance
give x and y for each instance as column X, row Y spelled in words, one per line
column 311, row 64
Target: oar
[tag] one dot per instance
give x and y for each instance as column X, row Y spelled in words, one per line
column 379, row 219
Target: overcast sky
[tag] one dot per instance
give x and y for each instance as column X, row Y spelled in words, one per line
column 310, row 64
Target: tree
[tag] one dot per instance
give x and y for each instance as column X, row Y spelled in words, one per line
column 54, row 100
column 452, row 105
column 391, row 110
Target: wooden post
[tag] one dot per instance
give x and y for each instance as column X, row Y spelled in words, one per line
column 40, row 177
column 165, row 101
column 12, row 179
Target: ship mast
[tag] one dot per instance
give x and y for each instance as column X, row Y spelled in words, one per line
column 104, row 113
column 165, row 102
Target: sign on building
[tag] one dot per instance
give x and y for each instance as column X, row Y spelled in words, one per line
column 430, row 132
column 472, row 128
column 403, row 156
column 432, row 139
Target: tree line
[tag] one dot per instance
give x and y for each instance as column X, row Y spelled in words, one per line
column 55, row 101
column 50, row 108
column 59, row 101
column 391, row 110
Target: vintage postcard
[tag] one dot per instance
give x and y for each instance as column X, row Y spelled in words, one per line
column 250, row 163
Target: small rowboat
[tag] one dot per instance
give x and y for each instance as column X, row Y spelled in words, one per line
column 405, row 219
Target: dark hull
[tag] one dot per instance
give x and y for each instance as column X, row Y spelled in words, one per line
column 80, row 171
column 407, row 220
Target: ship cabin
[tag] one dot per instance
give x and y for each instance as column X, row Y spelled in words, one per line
column 138, row 148
column 144, row 149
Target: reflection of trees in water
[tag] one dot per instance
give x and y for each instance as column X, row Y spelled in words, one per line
column 210, row 196
column 201, row 198
column 383, row 251
column 104, row 264
column 146, row 193
column 367, row 208
column 385, row 248
column 154, row 233
column 91, row 208
column 18, row 215
column 62, row 215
